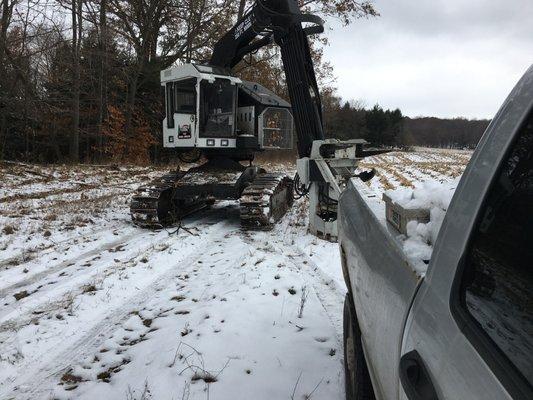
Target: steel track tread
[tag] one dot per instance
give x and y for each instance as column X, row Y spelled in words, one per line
column 146, row 208
column 265, row 201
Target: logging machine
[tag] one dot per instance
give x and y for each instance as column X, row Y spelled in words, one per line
column 215, row 116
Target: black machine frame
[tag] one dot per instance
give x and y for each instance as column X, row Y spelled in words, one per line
column 280, row 22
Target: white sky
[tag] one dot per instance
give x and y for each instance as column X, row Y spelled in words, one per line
column 444, row 58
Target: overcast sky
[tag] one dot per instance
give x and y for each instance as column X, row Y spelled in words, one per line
column 434, row 57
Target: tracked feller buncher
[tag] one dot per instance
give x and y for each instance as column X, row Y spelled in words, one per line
column 215, row 116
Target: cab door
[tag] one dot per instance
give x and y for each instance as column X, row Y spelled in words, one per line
column 469, row 334
column 180, row 125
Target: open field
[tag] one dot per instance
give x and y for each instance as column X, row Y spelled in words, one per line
column 93, row 307
column 409, row 168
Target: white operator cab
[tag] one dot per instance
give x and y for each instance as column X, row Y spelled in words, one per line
column 207, row 108
column 200, row 107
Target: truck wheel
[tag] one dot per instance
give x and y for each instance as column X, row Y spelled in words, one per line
column 357, row 380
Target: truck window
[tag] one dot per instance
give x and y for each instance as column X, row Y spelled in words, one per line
column 496, row 290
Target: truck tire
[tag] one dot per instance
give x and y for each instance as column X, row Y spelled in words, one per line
column 357, row 379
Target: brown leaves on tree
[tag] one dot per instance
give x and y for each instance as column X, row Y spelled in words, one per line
column 137, row 152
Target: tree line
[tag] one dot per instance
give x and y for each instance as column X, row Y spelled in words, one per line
column 352, row 120
column 389, row 128
column 79, row 79
column 443, row 133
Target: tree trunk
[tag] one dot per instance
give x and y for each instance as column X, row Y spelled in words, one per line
column 3, row 134
column 74, row 148
column 4, row 22
column 102, row 78
column 130, row 107
column 242, row 4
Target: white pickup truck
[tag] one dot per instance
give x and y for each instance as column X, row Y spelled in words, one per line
column 464, row 329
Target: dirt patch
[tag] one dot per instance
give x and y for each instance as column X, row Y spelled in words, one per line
column 8, row 230
column 105, row 376
column 70, row 378
column 147, row 322
column 20, row 295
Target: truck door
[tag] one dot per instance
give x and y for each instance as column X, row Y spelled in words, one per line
column 469, row 334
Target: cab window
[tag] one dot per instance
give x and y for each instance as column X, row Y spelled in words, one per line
column 185, row 96
column 217, row 108
column 496, row 290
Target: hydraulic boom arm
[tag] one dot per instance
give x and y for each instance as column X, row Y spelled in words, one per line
column 280, row 21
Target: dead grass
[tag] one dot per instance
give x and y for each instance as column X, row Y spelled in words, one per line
column 105, row 376
column 145, row 394
column 398, row 176
column 89, row 288
column 401, row 167
column 46, row 193
column 50, row 217
column 384, row 181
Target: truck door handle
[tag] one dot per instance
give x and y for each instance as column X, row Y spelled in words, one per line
column 415, row 378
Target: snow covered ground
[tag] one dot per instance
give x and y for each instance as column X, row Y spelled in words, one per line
column 95, row 308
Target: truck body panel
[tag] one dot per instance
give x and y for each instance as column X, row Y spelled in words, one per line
column 377, row 289
column 450, row 355
column 400, row 313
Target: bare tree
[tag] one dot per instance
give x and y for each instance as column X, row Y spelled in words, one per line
column 163, row 31
column 140, row 22
column 102, row 74
column 6, row 10
column 77, row 28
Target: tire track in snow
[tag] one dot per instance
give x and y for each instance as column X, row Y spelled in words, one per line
column 58, row 246
column 28, row 306
column 41, row 383
column 69, row 262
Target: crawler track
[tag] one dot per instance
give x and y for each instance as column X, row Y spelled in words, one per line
column 262, row 203
column 153, row 207
column 265, row 201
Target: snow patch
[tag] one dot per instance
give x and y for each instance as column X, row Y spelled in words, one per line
column 430, row 195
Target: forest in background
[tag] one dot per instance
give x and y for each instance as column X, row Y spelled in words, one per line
column 444, row 133
column 390, row 128
column 79, row 79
